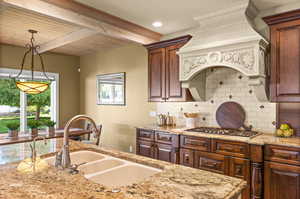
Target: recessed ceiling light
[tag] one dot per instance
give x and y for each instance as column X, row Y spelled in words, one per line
column 157, row 24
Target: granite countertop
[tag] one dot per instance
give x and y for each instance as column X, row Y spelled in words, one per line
column 260, row 139
column 173, row 182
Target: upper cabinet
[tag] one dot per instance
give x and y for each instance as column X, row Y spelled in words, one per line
column 285, row 56
column 164, row 84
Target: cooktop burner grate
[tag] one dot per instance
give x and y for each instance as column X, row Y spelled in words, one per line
column 220, row 131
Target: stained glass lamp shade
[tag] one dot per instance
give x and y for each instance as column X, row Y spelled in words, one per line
column 32, row 86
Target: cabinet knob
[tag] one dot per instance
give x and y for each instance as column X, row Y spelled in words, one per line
column 186, row 157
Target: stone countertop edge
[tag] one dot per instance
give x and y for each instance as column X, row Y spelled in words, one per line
column 260, row 139
column 174, row 182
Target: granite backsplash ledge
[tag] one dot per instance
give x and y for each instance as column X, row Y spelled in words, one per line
column 222, row 85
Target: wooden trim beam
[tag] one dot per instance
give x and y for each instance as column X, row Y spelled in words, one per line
column 104, row 17
column 71, row 16
column 69, row 38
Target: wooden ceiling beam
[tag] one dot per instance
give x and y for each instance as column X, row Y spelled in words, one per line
column 104, row 17
column 69, row 15
column 69, row 38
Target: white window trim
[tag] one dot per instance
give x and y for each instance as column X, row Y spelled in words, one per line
column 5, row 72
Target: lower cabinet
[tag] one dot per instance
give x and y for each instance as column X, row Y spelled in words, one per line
column 186, row 157
column 240, row 168
column 218, row 163
column 158, row 151
column 145, row 148
column 166, row 153
column 212, row 162
column 282, row 181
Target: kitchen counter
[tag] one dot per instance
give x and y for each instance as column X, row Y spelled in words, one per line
column 260, row 139
column 174, row 182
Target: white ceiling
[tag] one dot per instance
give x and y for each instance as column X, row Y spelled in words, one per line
column 176, row 15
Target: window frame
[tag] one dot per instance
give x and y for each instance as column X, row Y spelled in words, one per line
column 54, row 101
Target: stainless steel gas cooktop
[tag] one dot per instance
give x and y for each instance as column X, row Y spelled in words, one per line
column 221, row 131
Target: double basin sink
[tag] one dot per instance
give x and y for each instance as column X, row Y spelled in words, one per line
column 107, row 170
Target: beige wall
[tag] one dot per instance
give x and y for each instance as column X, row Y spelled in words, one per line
column 118, row 121
column 66, row 66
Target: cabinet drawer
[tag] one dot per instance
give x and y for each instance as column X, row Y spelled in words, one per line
column 190, row 142
column 212, row 162
column 187, row 157
column 237, row 149
column 144, row 134
column 144, row 148
column 166, row 138
column 282, row 154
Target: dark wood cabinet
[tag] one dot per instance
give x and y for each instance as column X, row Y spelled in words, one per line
column 197, row 143
column 231, row 148
column 187, row 157
column 271, row 171
column 285, row 59
column 281, row 181
column 221, row 156
column 158, row 145
column 283, row 154
column 212, row 162
column 166, row 153
column 157, row 73
column 240, row 168
column 163, row 69
column 145, row 148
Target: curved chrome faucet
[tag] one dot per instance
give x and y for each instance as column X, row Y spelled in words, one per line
column 63, row 157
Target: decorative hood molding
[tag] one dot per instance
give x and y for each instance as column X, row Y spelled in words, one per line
column 228, row 39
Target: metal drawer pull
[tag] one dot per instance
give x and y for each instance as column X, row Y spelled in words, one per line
column 198, row 143
column 283, row 155
column 166, row 138
column 211, row 164
column 147, row 135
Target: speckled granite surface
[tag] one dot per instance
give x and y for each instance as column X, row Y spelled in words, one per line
column 174, row 182
column 261, row 139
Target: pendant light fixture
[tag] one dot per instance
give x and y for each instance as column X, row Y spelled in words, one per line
column 32, row 86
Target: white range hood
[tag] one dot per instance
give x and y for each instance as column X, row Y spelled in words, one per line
column 226, row 38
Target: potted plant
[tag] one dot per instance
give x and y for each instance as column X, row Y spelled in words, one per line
column 13, row 128
column 50, row 126
column 33, row 126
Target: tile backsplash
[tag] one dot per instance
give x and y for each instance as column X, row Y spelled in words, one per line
column 222, row 85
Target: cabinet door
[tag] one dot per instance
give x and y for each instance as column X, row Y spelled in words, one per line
column 157, row 75
column 166, row 153
column 144, row 148
column 240, row 168
column 282, row 181
column 212, row 162
column 174, row 91
column 285, row 62
column 187, row 157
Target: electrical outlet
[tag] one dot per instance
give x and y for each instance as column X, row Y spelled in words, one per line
column 130, row 149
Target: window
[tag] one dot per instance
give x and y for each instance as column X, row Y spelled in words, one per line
column 16, row 105
column 111, row 89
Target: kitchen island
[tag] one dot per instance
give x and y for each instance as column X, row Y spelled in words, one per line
column 173, row 182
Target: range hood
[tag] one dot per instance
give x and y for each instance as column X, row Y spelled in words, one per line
column 227, row 38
